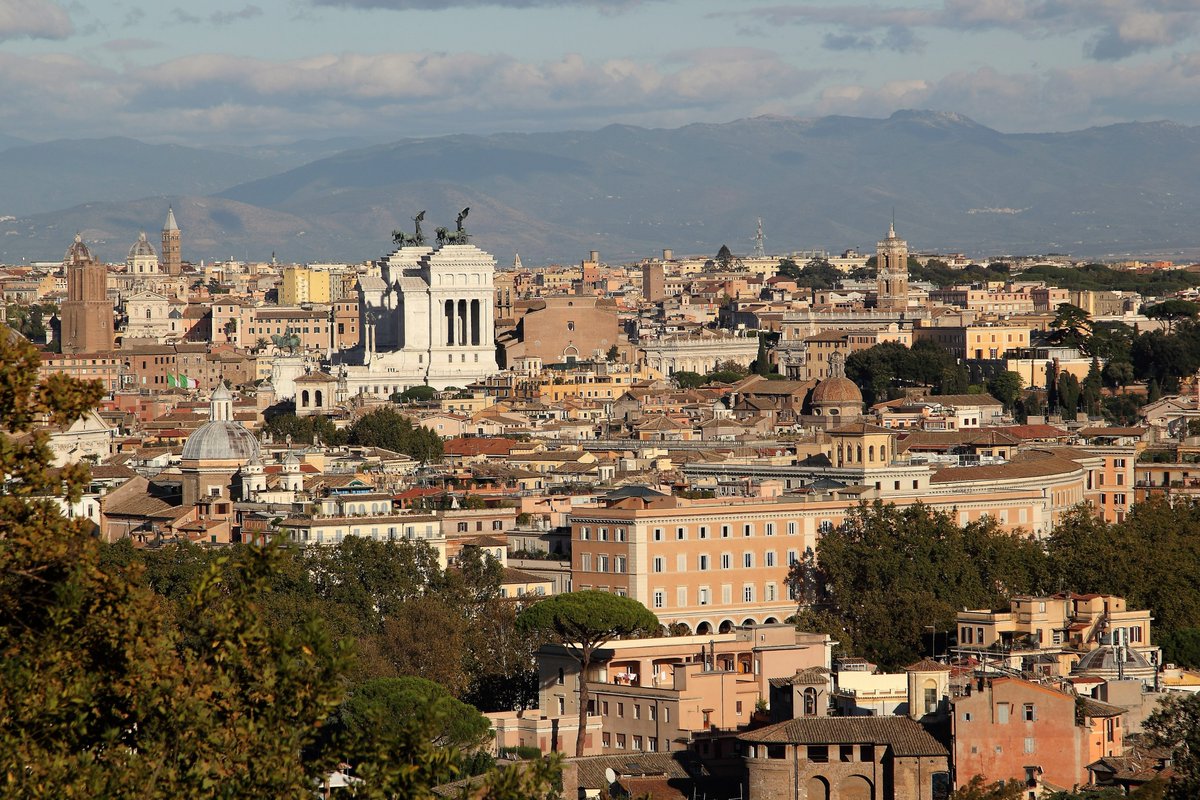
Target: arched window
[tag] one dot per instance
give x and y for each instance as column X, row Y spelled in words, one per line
column 304, row 399
column 147, row 313
column 871, row 453
column 810, row 702
column 317, row 396
column 883, row 452
column 859, row 454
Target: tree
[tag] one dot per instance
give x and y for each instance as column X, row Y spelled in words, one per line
column 106, row 692
column 978, row 789
column 416, row 394
column 725, row 260
column 583, row 622
column 762, row 361
column 391, row 430
column 613, row 353
column 818, row 273
column 1117, row 374
column 303, row 430
column 1006, row 387
column 1091, row 390
column 411, row 707
column 686, row 379
column 1181, row 646
column 1071, row 327
column 1068, row 392
column 1172, row 311
column 1176, row 724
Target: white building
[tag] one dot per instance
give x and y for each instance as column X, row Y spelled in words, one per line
column 427, row 319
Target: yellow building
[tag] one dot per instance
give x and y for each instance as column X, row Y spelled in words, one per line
column 304, row 285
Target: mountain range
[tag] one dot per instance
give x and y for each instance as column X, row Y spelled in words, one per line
column 830, row 183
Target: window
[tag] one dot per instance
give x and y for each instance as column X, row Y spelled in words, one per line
column 748, row 593
column 604, row 708
column 602, row 534
column 724, row 531
column 704, row 596
column 584, row 533
column 791, row 529
column 703, row 532
column 1029, row 744
column 619, row 565
column 562, row 706
column 660, row 599
column 658, row 534
column 818, row 753
column 747, row 530
column 659, row 565
column 602, row 563
column 620, row 741
column 1002, row 713
column 620, row 709
column 637, row 743
column 747, row 560
column 561, row 677
column 651, row 713
column 771, row 593
column 637, row 711
column 738, row 708
column 703, row 562
column 846, row 752
column 652, row 745
column 680, row 533
column 1029, row 713
column 770, row 529
column 769, row 558
column 606, row 739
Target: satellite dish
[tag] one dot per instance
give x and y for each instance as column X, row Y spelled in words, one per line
column 609, row 775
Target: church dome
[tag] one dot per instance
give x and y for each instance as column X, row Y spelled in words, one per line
column 1107, row 662
column 77, row 253
column 221, row 440
column 836, row 391
column 142, row 249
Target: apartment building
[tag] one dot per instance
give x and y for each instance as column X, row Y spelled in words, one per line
column 1053, row 633
column 1006, row 728
column 653, row 695
column 978, row 341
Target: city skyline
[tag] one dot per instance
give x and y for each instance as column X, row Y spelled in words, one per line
column 278, row 70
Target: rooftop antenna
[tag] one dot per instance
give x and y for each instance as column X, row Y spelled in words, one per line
column 759, row 250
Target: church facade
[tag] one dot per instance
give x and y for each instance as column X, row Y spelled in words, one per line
column 427, row 319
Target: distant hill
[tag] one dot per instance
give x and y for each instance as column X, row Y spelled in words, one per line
column 64, row 173
column 831, row 182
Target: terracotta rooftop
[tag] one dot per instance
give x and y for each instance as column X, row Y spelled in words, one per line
column 902, row 735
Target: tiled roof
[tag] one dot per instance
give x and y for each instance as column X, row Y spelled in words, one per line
column 810, row 676
column 927, row 665
column 904, row 736
column 669, row 765
column 1094, row 708
column 1032, row 468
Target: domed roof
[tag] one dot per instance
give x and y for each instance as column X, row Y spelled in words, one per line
column 221, row 440
column 77, row 253
column 836, row 391
column 1105, row 660
column 142, row 248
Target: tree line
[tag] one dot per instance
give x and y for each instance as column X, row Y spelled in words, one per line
column 877, row 582
column 385, row 428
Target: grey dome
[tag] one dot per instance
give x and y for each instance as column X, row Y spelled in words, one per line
column 221, row 440
column 142, row 247
column 1103, row 662
column 77, row 253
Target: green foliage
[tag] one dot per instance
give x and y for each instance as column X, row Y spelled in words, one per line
column 882, row 370
column 1181, row 646
column 407, row 709
column 416, row 394
column 818, row 273
column 887, row 573
column 725, row 259
column 978, row 789
column 762, row 360
column 582, row 622
column 1100, row 277
column 1006, row 387
column 1071, row 327
column 940, row 274
column 31, row 321
column 303, row 430
column 1173, row 310
column 1176, row 724
column 686, row 379
column 389, row 429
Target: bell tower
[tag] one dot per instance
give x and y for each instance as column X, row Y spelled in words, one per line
column 171, row 258
column 891, row 270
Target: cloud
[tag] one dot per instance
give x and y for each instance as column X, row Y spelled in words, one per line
column 1116, row 29
column 249, row 11
column 34, row 19
column 1093, row 93
column 216, row 96
column 898, row 38
column 607, row 6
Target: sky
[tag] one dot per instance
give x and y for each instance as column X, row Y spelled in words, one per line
column 264, row 71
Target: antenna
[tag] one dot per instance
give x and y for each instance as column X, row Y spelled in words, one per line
column 759, row 250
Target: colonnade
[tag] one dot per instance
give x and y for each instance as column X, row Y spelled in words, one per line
column 463, row 323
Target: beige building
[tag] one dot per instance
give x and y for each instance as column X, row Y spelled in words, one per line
column 305, row 285
column 563, row 330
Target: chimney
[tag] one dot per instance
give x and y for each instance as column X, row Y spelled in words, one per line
column 668, row 254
